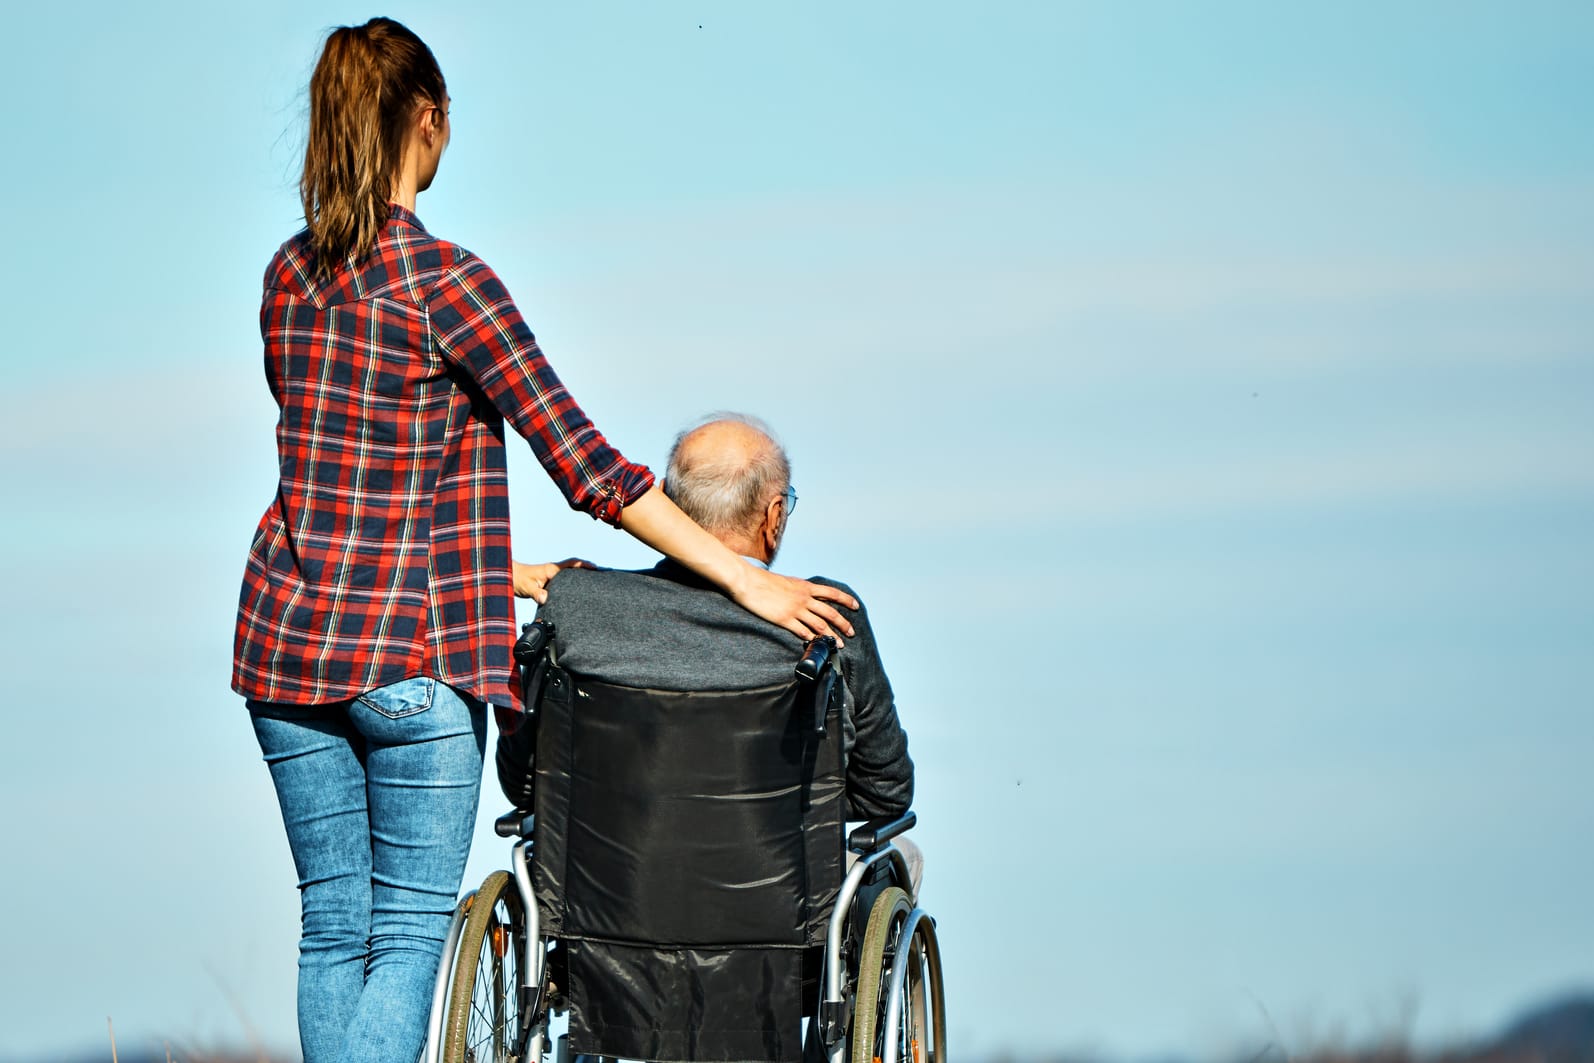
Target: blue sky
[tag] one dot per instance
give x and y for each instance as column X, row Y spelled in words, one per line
column 1200, row 396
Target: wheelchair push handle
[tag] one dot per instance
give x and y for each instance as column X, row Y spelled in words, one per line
column 816, row 656
column 531, row 658
column 517, row 748
column 533, row 640
column 818, row 666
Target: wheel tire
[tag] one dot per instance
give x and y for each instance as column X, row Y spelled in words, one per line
column 482, row 1024
column 890, row 909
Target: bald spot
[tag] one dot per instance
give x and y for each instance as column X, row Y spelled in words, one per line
column 729, row 448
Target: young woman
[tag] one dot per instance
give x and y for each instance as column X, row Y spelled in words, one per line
column 375, row 620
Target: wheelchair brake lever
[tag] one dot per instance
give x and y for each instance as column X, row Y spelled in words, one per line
column 827, row 686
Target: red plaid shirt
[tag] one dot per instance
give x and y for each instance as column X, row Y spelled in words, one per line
column 385, row 553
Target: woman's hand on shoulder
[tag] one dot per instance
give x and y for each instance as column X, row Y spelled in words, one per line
column 531, row 581
column 800, row 607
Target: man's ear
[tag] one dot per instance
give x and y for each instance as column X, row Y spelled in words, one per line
column 774, row 519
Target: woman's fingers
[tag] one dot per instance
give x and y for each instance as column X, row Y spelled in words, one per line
column 798, row 628
column 822, row 614
column 531, row 581
column 817, row 617
column 834, row 594
column 819, row 614
column 796, row 605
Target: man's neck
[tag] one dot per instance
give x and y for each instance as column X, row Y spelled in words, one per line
column 749, row 548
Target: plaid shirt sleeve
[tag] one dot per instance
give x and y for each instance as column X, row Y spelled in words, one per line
column 477, row 328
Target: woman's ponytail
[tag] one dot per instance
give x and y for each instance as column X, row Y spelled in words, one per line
column 363, row 95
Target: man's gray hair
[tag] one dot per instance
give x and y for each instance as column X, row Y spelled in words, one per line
column 727, row 495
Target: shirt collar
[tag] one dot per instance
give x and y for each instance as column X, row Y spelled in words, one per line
column 678, row 569
column 405, row 215
column 672, row 569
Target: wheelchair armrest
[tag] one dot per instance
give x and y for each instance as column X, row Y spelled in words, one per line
column 870, row 836
column 513, row 824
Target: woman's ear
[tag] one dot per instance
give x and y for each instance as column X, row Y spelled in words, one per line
column 429, row 123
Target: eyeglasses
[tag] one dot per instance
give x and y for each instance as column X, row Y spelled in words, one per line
column 791, row 500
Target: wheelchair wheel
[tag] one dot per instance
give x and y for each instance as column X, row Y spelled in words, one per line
column 922, row 1033
column 890, row 911
column 483, row 1022
column 921, row 1019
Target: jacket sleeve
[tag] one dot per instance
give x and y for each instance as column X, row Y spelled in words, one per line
column 879, row 770
column 515, row 757
column 478, row 329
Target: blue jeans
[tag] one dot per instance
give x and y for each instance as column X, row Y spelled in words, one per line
column 378, row 795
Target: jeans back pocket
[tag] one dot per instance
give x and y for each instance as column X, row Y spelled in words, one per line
column 404, row 698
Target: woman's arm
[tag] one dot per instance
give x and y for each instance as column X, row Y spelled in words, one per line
column 798, row 606
column 476, row 327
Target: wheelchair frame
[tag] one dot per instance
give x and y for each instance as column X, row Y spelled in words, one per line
column 910, row 953
column 532, row 1011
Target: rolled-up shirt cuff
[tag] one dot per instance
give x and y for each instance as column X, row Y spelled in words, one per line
column 629, row 483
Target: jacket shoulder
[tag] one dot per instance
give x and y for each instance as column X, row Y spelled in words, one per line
column 579, row 592
column 859, row 615
column 826, row 581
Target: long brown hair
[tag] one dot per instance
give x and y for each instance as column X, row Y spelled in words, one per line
column 363, row 96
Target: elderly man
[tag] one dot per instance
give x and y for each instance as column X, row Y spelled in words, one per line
column 666, row 629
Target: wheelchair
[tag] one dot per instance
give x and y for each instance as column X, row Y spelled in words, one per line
column 638, row 916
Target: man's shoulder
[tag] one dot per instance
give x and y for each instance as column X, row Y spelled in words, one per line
column 662, row 628
column 584, row 587
column 589, row 579
column 837, row 584
column 859, row 616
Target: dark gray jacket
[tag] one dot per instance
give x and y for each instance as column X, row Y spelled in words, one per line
column 665, row 628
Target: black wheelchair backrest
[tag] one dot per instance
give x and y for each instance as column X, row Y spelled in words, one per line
column 688, row 852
